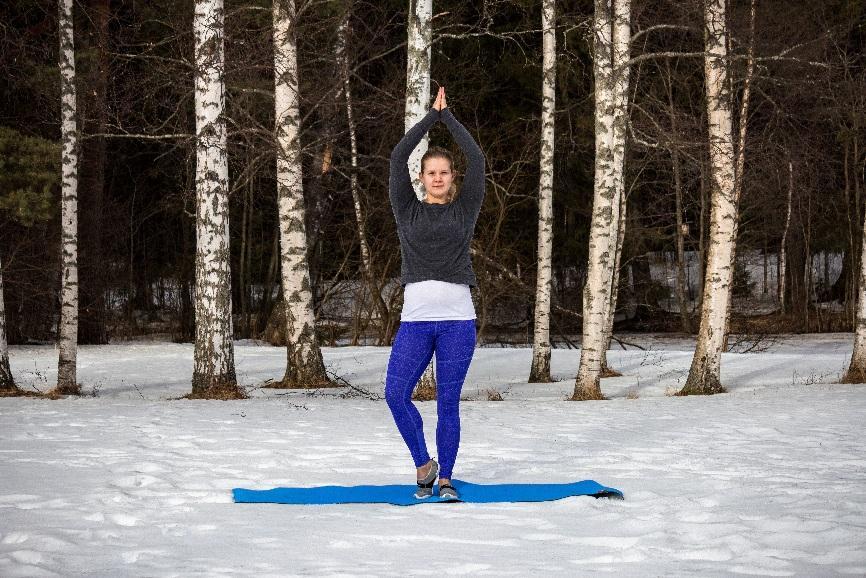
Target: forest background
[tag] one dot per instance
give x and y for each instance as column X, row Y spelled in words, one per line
column 805, row 156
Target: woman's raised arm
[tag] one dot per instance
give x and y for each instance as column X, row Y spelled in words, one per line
column 472, row 191
column 400, row 189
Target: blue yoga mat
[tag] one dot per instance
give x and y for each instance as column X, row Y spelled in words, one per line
column 403, row 495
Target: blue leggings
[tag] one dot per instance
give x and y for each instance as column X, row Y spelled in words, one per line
column 454, row 343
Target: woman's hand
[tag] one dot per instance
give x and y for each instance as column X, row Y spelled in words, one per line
column 440, row 104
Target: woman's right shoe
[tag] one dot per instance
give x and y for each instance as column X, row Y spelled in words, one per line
column 448, row 492
column 425, row 486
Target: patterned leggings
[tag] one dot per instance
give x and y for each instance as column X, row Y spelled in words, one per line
column 416, row 341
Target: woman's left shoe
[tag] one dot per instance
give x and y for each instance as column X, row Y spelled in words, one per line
column 448, row 492
column 425, row 486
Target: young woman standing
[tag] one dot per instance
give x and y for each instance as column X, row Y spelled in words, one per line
column 438, row 316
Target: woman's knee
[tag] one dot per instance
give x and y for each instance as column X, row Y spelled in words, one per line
column 448, row 404
column 393, row 394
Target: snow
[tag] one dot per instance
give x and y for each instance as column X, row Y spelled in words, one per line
column 769, row 479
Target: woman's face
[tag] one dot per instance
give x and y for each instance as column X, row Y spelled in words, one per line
column 437, row 178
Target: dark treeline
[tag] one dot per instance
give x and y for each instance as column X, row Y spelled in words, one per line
column 135, row 84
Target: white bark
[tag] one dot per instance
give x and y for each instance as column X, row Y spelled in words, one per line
column 783, row 248
column 857, row 368
column 704, row 374
column 305, row 367
column 744, row 106
column 353, row 140
column 6, row 381
column 607, row 194
column 540, row 370
column 681, row 288
column 741, row 140
column 621, row 76
column 213, row 365
column 420, row 33
column 68, row 330
column 366, row 257
column 418, row 79
column 606, row 370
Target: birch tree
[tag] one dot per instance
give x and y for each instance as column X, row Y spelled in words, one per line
column 214, row 364
column 740, row 151
column 744, row 106
column 681, row 287
column 606, row 370
column 704, row 374
column 7, row 384
column 366, row 257
column 305, row 366
column 783, row 246
column 540, row 370
column 621, row 76
column 68, row 331
column 420, row 34
column 607, row 193
column 857, row 368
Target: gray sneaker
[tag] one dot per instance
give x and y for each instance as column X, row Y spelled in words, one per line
column 425, row 486
column 447, row 492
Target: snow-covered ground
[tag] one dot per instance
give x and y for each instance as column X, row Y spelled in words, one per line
column 767, row 480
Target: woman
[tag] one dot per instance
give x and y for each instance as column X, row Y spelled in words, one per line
column 438, row 315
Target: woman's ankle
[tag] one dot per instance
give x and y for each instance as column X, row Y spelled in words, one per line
column 425, row 469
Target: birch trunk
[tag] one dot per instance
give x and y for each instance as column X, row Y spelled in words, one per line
column 420, row 34
column 366, row 257
column 783, row 248
column 540, row 370
column 7, row 384
column 68, row 331
column 702, row 239
column 807, row 271
column 610, row 65
column 243, row 270
column 858, row 257
column 621, row 52
column 741, row 140
column 857, row 368
column 704, row 374
column 305, row 366
column 744, row 107
column 850, row 308
column 602, row 238
column 682, row 290
column 213, row 364
column 606, row 370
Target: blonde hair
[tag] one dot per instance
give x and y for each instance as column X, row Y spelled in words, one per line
column 440, row 153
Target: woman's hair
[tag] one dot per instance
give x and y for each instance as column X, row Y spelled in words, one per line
column 440, row 153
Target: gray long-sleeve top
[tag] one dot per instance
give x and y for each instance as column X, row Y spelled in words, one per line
column 434, row 238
